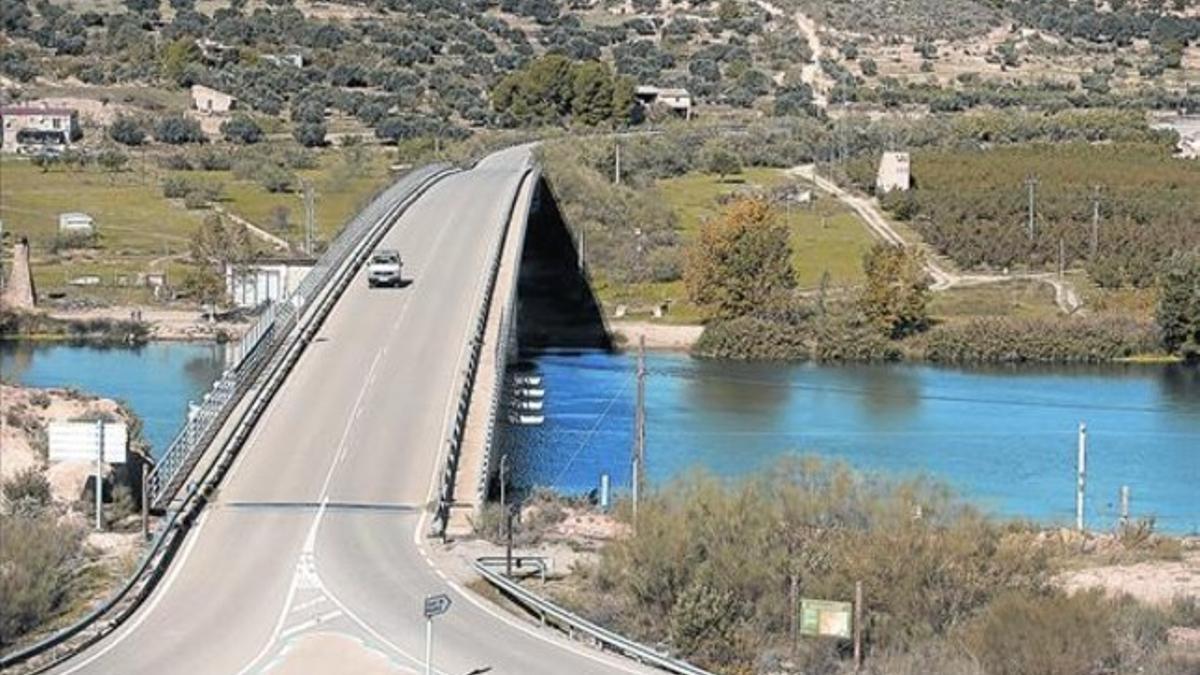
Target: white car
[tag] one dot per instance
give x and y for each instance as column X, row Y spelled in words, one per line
column 384, row 268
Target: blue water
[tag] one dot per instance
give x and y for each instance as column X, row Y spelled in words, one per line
column 1003, row 438
column 156, row 380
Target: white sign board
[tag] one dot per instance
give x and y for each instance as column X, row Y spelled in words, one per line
column 77, row 441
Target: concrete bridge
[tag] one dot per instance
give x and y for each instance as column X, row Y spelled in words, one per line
column 312, row 555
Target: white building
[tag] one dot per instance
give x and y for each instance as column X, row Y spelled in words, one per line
column 34, row 129
column 678, row 101
column 894, row 173
column 252, row 284
column 211, row 101
column 76, row 223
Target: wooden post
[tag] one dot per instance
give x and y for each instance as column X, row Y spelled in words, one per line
column 1124, row 504
column 794, row 623
column 145, row 505
column 858, row 603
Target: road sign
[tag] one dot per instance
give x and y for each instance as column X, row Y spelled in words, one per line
column 825, row 617
column 80, row 441
column 436, row 605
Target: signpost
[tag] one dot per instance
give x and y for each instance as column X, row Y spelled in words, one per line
column 831, row 618
column 435, row 605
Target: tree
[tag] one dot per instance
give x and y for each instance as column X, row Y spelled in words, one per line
column 1178, row 312
column 177, row 130
column 219, row 243
column 740, row 263
column 896, row 294
column 127, row 131
column 205, row 285
column 591, row 94
column 176, row 59
column 309, row 135
column 719, row 159
column 242, row 129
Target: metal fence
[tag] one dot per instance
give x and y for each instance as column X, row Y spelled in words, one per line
column 467, row 384
column 576, row 626
column 271, row 330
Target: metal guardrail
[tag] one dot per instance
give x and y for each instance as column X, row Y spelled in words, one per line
column 169, row 536
column 270, row 331
column 575, row 625
column 441, row 518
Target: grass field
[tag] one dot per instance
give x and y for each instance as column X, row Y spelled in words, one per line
column 339, row 194
column 1022, row 299
column 140, row 231
column 826, row 235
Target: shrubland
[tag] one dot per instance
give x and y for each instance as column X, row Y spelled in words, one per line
column 711, row 570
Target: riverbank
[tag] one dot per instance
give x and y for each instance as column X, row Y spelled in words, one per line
column 118, row 325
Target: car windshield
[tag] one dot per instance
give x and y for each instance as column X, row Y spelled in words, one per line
column 386, row 258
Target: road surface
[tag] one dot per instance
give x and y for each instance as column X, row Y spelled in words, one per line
column 311, row 558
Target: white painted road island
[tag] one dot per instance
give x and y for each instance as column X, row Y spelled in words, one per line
column 312, row 558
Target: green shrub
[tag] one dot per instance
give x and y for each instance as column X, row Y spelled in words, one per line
column 1057, row 340
column 28, row 489
column 1023, row 634
column 36, row 567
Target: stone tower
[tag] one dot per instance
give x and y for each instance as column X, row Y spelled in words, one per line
column 18, row 291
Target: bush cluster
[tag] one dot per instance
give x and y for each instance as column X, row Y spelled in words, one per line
column 1058, row 340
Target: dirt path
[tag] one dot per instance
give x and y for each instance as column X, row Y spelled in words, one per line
column 165, row 324
column 277, row 242
column 1065, row 296
column 811, row 73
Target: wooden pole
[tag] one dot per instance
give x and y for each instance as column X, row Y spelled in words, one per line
column 858, row 608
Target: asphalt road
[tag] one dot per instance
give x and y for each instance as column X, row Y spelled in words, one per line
column 311, row 559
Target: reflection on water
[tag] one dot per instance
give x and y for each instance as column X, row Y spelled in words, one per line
column 156, row 380
column 1004, row 437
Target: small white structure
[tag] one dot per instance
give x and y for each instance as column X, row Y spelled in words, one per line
column 250, row 285
column 894, row 173
column 81, row 441
column 678, row 101
column 293, row 59
column 211, row 101
column 76, row 223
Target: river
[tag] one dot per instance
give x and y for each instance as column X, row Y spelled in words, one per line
column 1004, row 438
column 156, row 380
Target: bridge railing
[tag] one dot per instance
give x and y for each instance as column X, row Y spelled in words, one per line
column 576, row 626
column 270, row 331
column 458, row 426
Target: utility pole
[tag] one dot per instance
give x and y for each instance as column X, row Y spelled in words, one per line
column 503, row 471
column 508, row 516
column 1095, row 220
column 1031, row 183
column 99, row 474
column 639, row 429
column 1062, row 257
column 1081, row 476
column 309, row 217
column 617, row 161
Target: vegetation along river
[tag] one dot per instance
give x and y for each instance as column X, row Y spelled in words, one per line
column 1005, row 438
column 155, row 380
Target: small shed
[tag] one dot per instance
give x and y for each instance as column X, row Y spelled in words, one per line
column 76, row 223
column 894, row 172
column 252, row 284
column 209, row 100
